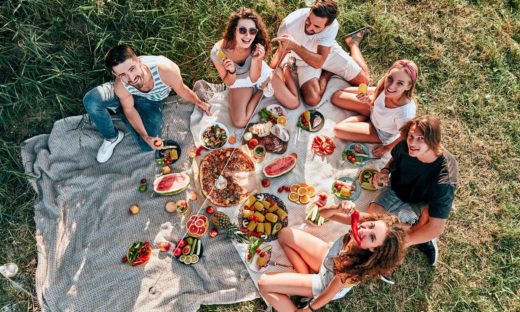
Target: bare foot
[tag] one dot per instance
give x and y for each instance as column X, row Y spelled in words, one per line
column 355, row 38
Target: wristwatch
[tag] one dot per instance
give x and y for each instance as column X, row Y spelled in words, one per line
column 310, row 308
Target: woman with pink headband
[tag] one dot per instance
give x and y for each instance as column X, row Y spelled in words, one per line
column 389, row 106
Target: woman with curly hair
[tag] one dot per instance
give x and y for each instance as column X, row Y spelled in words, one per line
column 239, row 60
column 328, row 272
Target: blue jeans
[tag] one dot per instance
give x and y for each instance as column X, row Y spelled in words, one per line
column 99, row 100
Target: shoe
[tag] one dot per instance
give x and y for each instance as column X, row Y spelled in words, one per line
column 107, row 148
column 357, row 35
column 302, row 302
column 389, row 279
column 431, row 251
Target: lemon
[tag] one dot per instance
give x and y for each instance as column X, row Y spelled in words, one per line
column 282, row 120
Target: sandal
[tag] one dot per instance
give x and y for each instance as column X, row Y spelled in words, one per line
column 357, row 36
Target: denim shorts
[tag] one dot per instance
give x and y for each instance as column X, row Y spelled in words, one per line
column 386, row 137
column 407, row 212
column 321, row 280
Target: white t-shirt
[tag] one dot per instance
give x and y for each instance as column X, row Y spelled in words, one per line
column 391, row 119
column 294, row 25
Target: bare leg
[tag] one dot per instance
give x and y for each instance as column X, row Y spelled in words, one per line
column 311, row 92
column 349, row 100
column 285, row 91
column 305, row 251
column 324, row 80
column 356, row 131
column 239, row 112
column 277, row 287
column 355, row 52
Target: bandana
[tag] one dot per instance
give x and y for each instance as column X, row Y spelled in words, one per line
column 410, row 68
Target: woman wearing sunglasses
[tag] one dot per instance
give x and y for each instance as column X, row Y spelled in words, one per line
column 239, row 60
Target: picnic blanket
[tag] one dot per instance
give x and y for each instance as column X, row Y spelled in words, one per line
column 318, row 171
column 83, row 226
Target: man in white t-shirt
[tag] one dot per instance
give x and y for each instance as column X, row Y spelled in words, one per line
column 310, row 34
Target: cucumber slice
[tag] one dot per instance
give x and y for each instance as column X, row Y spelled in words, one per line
column 187, row 260
column 315, row 215
column 193, row 247
column 199, row 246
column 194, row 259
column 182, row 258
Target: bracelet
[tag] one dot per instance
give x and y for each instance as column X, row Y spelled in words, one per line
column 310, row 308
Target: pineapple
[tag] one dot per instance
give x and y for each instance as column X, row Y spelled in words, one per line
column 222, row 222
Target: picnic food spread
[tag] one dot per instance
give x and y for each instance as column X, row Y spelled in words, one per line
column 366, row 179
column 168, row 152
column 170, row 184
column 280, row 166
column 188, row 250
column 138, row 253
column 224, row 164
column 214, row 137
column 311, row 120
column 263, row 215
column 346, row 188
column 323, row 145
column 356, row 153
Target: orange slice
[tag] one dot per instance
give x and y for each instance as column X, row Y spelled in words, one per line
column 311, row 190
column 282, row 120
column 295, row 187
column 293, row 197
column 304, row 199
column 302, row 191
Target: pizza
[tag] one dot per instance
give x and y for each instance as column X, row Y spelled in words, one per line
column 228, row 163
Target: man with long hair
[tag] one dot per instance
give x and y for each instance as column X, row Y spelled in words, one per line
column 141, row 84
column 423, row 177
column 309, row 35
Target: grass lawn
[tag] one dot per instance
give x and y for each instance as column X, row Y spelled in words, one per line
column 469, row 56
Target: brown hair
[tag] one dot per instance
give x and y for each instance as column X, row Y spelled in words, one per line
column 325, row 8
column 118, row 55
column 411, row 70
column 357, row 265
column 430, row 127
column 262, row 37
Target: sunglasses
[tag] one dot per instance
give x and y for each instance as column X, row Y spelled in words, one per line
column 243, row 30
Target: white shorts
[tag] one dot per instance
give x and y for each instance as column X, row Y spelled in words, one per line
column 338, row 62
column 246, row 81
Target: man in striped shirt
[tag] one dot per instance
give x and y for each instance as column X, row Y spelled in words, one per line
column 141, row 84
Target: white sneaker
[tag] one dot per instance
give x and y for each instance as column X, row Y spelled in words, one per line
column 107, row 148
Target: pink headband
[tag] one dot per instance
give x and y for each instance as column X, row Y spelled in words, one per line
column 410, row 68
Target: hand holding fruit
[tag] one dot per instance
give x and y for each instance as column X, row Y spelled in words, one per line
column 364, row 98
column 153, row 142
column 229, row 65
column 347, row 207
column 287, row 41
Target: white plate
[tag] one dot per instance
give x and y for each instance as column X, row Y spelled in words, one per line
column 222, row 126
column 253, row 266
column 277, row 110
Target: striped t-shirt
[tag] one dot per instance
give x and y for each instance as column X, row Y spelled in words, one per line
column 160, row 90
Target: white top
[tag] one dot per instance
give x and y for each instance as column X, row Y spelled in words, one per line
column 391, row 119
column 294, row 25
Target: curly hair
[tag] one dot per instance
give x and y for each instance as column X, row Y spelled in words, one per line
column 357, row 265
column 262, row 37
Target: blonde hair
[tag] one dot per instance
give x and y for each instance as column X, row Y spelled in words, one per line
column 410, row 69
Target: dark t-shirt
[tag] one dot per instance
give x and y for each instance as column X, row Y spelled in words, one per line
column 430, row 183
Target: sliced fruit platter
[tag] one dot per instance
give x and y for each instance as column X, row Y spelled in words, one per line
column 197, row 225
column 313, row 216
column 366, row 179
column 188, row 250
column 346, row 188
column 169, row 153
column 263, row 215
column 356, row 153
column 323, row 145
column 171, row 184
column 274, row 137
column 138, row 253
column 301, row 193
column 259, row 258
column 311, row 120
column 274, row 113
column 280, row 166
column 215, row 136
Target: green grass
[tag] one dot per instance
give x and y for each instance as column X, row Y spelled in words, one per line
column 469, row 57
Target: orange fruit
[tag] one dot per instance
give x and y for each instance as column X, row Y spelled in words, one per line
column 302, row 191
column 282, row 120
column 311, row 190
column 232, row 140
column 304, row 199
column 295, row 187
column 294, row 197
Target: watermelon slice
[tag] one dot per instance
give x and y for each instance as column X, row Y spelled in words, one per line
column 170, row 184
column 280, row 166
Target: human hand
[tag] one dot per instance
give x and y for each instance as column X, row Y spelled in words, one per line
column 381, row 178
column 151, row 141
column 205, row 107
column 229, row 65
column 347, row 207
column 364, row 98
column 266, row 82
column 380, row 150
column 287, row 42
column 259, row 51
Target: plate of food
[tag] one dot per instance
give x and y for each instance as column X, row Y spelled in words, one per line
column 274, row 113
column 366, row 179
column 169, row 153
column 357, row 154
column 323, row 145
column 301, row 193
column 311, row 120
column 346, row 188
column 188, row 250
column 214, row 136
column 263, row 215
column 313, row 216
column 259, row 258
column 138, row 253
column 228, row 191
